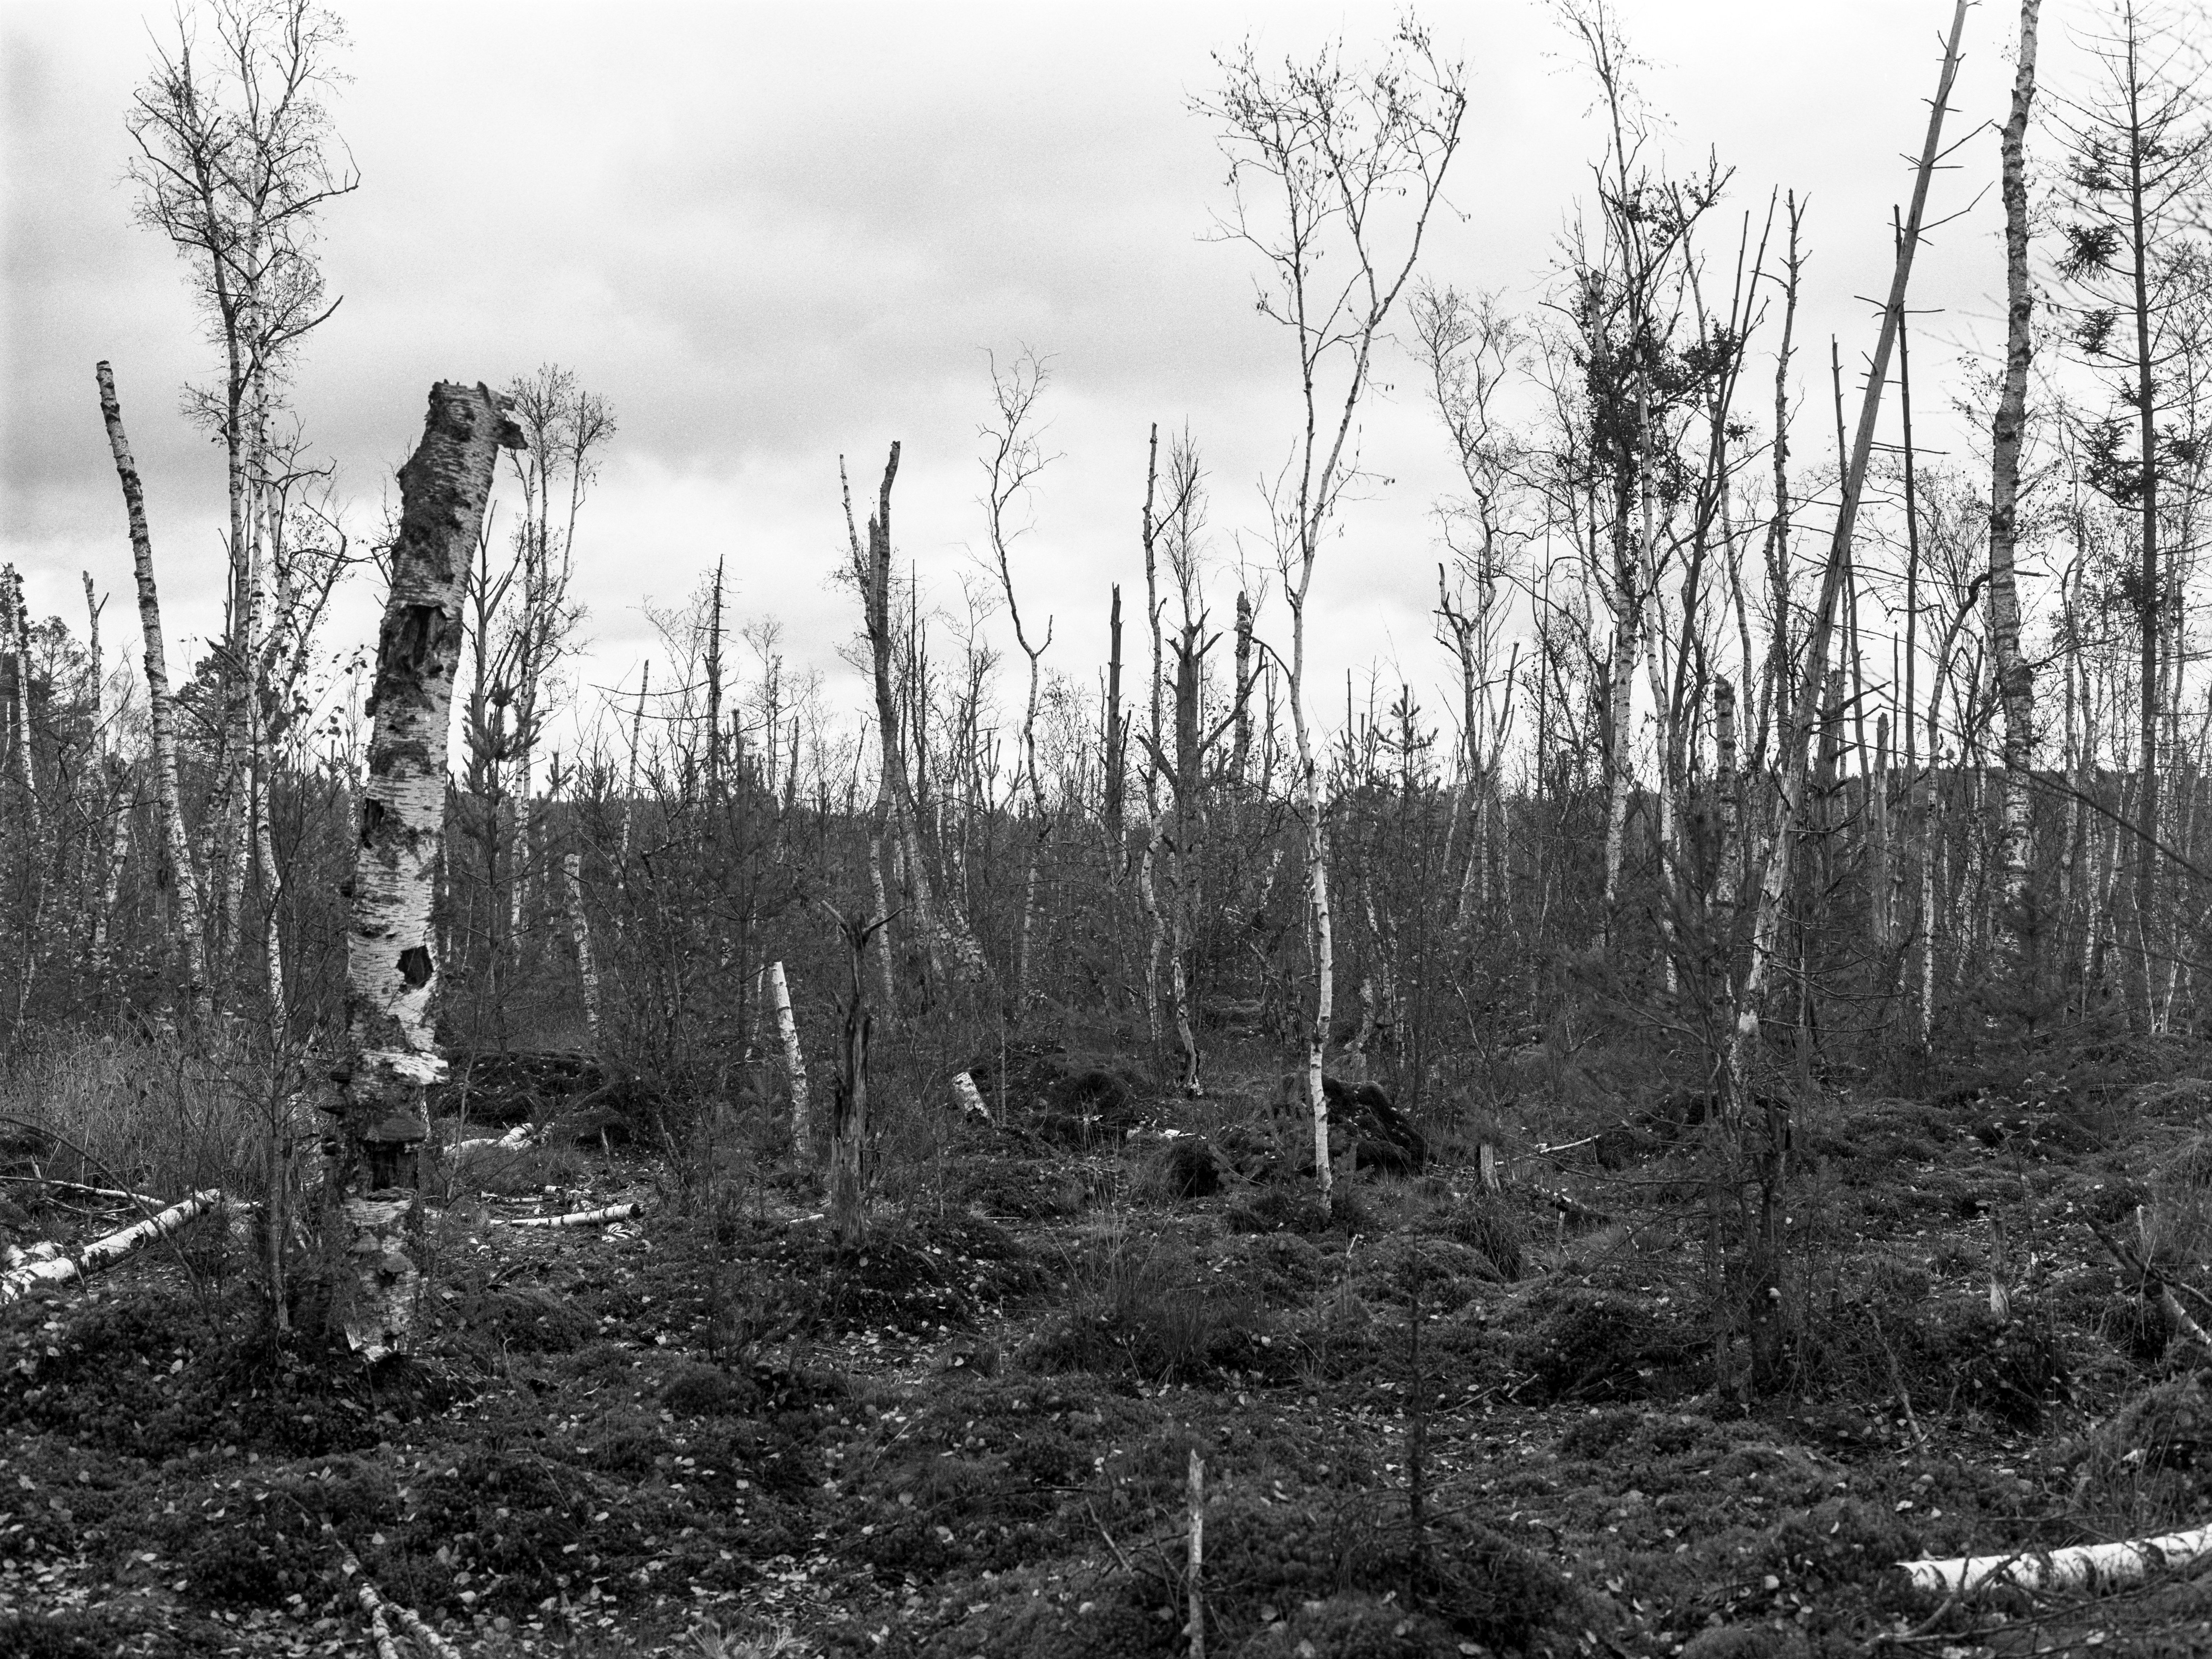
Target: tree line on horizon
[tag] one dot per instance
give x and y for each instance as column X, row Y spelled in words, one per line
column 1792, row 765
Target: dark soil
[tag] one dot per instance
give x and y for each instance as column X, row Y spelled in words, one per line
column 972, row 1435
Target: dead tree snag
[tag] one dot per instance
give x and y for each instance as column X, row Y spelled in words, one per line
column 392, row 1052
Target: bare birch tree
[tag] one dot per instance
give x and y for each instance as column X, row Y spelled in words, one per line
column 1014, row 456
column 1328, row 158
column 237, row 159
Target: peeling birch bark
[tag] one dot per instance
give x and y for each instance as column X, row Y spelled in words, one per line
column 598, row 1217
column 391, row 972
column 380, row 1610
column 967, row 1096
column 579, row 928
column 2083, row 1566
column 2016, row 927
column 794, row 1057
column 514, row 1140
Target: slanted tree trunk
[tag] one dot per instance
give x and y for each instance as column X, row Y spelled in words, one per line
column 392, row 1055
column 161, row 711
column 794, row 1057
column 1796, row 734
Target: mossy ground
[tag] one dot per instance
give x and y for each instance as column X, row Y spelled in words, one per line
column 972, row 1438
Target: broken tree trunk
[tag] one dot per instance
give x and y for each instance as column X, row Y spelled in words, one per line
column 848, row 1123
column 794, row 1057
column 967, row 1096
column 391, row 1052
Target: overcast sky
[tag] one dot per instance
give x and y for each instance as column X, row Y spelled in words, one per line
column 773, row 234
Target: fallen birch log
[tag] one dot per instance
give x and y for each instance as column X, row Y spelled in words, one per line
column 573, row 1219
column 2083, row 1566
column 379, row 1610
column 60, row 1268
column 521, row 1136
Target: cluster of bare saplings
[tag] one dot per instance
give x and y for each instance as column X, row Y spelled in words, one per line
column 1795, row 762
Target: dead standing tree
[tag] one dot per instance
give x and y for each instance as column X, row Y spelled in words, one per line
column 947, row 945
column 1182, row 833
column 848, row 1123
column 1470, row 349
column 566, row 426
column 391, row 1052
column 1326, row 158
column 1011, row 460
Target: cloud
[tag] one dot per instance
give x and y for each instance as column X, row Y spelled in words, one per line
column 775, row 234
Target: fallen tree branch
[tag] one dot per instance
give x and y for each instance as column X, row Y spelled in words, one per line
column 2082, row 1567
column 573, row 1219
column 1573, row 1207
column 2152, row 1283
column 54, row 1183
column 380, row 1610
column 61, row 1268
column 519, row 1138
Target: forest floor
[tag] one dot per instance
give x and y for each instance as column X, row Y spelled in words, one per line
column 712, row 1433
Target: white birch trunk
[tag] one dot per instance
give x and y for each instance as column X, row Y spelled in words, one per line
column 2082, row 1567
column 2015, row 681
column 580, row 924
column 1324, row 957
column 794, row 1057
column 160, row 709
column 391, row 972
